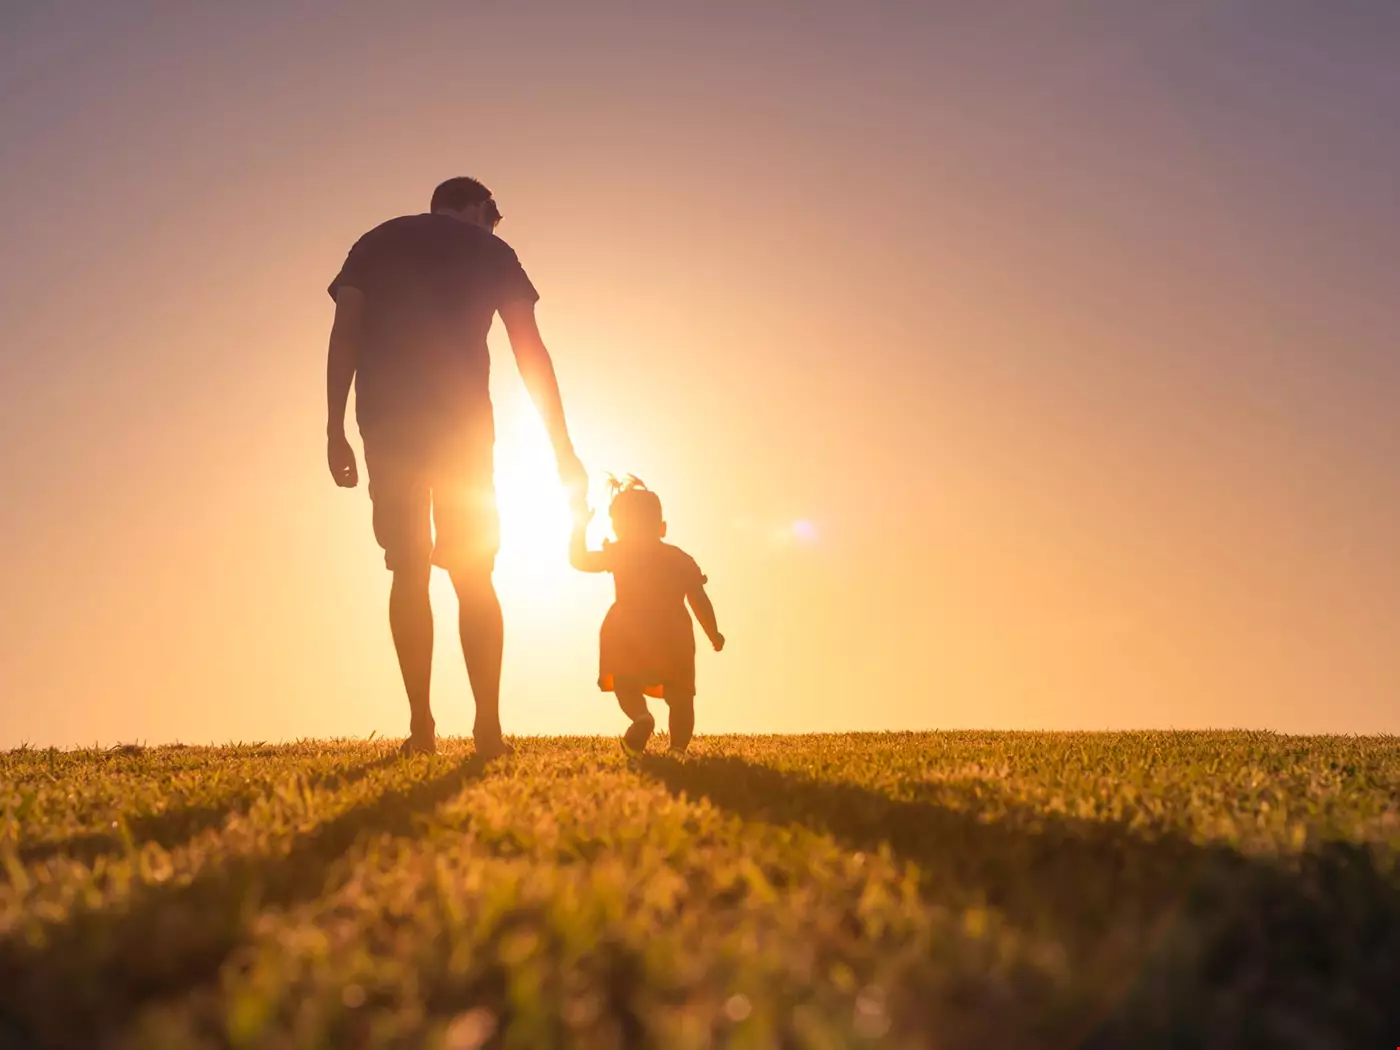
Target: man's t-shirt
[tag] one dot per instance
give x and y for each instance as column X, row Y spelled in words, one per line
column 431, row 285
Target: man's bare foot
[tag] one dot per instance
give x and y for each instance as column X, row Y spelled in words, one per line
column 418, row 745
column 493, row 748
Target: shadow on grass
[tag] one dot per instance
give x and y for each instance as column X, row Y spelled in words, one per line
column 1173, row 944
column 90, row 974
column 173, row 827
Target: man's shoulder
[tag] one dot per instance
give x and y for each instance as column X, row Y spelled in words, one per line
column 495, row 240
column 486, row 244
column 400, row 226
column 438, row 227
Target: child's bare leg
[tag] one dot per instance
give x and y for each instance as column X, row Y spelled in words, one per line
column 682, row 719
column 634, row 706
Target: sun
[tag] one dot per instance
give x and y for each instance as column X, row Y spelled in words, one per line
column 532, row 568
column 534, row 508
column 533, row 562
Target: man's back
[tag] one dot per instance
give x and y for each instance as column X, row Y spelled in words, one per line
column 413, row 304
column 431, row 286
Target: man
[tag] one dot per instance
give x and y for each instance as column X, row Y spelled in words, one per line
column 413, row 304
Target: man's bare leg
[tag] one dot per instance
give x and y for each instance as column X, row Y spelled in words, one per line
column 411, row 623
column 483, row 637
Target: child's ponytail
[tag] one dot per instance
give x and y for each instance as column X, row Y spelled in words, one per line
column 631, row 499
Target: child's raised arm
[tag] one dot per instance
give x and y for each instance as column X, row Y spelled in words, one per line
column 580, row 557
column 705, row 613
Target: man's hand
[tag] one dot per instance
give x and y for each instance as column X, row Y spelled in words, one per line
column 718, row 642
column 579, row 510
column 537, row 371
column 340, row 457
column 573, row 476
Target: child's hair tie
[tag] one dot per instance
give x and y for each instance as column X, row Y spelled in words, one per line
column 617, row 486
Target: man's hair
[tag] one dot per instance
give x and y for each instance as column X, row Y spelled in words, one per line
column 458, row 193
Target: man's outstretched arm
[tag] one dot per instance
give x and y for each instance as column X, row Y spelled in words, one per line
column 341, row 360
column 537, row 371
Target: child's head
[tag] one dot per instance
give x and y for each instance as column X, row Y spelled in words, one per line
column 635, row 511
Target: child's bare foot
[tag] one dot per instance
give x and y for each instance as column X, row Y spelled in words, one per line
column 634, row 741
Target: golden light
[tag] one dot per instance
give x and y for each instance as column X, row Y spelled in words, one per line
column 534, row 508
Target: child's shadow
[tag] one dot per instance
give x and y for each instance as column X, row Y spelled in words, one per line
column 1194, row 945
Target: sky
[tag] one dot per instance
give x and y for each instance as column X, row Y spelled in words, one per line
column 1007, row 366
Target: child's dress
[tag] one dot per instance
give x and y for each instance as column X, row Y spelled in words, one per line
column 647, row 636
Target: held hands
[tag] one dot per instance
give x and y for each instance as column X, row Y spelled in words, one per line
column 340, row 457
column 574, row 477
column 572, row 474
column 579, row 510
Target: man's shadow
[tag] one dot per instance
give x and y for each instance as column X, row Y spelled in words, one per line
column 1221, row 949
column 92, row 972
column 169, row 828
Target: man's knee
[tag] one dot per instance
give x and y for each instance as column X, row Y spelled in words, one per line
column 474, row 584
column 411, row 579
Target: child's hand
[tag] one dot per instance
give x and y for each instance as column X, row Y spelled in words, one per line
column 718, row 642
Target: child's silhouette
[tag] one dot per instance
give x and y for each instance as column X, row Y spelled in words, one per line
column 647, row 644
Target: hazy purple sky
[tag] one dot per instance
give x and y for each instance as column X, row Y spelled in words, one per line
column 1070, row 326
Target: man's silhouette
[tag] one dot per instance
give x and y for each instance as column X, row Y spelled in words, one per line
column 413, row 304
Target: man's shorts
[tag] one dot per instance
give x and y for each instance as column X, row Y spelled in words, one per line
column 433, row 493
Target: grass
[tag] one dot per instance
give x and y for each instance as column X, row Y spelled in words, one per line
column 903, row 890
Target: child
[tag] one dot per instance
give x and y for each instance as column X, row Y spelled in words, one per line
column 647, row 644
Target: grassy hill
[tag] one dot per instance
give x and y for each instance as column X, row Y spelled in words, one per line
column 904, row 890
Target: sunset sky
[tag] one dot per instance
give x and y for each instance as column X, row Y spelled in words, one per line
column 1008, row 366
